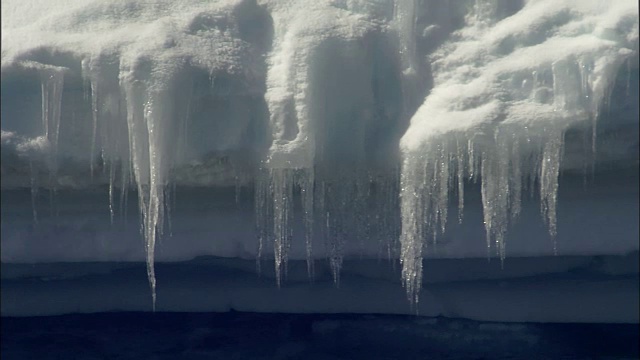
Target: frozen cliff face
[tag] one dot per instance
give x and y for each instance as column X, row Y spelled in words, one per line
column 341, row 127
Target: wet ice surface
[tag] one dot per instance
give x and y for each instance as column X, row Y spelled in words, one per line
column 239, row 335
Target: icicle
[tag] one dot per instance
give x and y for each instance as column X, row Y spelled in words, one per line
column 282, row 187
column 501, row 189
column 336, row 244
column 94, row 118
column 549, row 172
column 536, row 160
column 358, row 205
column 274, row 214
column 289, row 101
column 129, row 181
column 585, row 159
column 124, row 186
column 34, row 192
column 261, row 213
column 425, row 183
column 112, row 175
column 392, row 216
column 443, row 177
column 148, row 120
column 86, row 80
column 52, row 82
column 594, row 131
column 487, row 191
column 383, row 222
column 515, row 181
column 412, row 221
column 109, row 127
column 305, row 182
column 169, row 194
column 321, row 210
column 460, row 161
column 473, row 164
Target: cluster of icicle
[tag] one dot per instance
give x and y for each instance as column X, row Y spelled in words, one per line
column 334, row 208
column 517, row 146
column 518, row 155
column 505, row 159
column 146, row 112
column 506, row 167
column 52, row 83
column 334, row 202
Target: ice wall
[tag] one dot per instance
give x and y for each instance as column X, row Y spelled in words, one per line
column 353, row 124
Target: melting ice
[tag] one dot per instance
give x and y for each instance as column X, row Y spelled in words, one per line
column 362, row 119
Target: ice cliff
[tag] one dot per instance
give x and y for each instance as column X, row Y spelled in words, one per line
column 318, row 129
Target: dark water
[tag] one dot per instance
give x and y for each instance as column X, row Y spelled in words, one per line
column 236, row 335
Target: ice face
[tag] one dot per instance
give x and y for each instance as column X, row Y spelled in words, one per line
column 362, row 121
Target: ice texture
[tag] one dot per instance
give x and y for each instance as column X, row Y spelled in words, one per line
column 356, row 125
